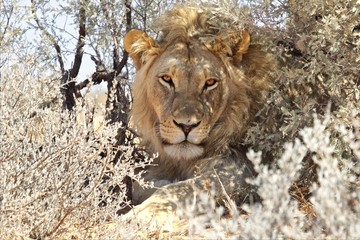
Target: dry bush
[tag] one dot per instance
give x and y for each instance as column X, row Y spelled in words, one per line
column 334, row 202
column 308, row 165
column 58, row 177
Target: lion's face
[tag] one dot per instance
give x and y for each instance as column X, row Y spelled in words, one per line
column 188, row 90
column 192, row 98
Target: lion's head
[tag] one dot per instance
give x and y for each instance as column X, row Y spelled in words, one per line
column 197, row 86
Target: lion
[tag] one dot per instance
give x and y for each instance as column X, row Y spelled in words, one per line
column 196, row 89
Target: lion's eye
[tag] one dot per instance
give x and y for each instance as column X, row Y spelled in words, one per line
column 210, row 83
column 166, row 80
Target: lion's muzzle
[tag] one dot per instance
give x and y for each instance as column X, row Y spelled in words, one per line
column 182, row 138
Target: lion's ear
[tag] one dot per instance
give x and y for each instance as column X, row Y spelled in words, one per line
column 241, row 47
column 137, row 43
column 232, row 44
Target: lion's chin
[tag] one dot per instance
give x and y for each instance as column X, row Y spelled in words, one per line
column 183, row 151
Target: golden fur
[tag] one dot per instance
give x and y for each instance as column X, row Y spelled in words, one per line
column 196, row 88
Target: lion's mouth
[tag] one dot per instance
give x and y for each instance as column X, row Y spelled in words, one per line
column 185, row 142
column 184, row 150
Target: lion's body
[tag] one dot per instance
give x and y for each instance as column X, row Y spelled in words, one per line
column 195, row 91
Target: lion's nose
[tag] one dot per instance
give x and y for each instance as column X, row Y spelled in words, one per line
column 186, row 127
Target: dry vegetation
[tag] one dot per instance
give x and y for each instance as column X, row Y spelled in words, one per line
column 58, row 177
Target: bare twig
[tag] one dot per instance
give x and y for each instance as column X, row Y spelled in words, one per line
column 8, row 17
column 230, row 203
column 49, row 36
column 123, row 61
column 112, row 26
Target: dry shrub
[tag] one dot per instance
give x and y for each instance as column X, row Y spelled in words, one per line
column 58, row 177
column 306, row 138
